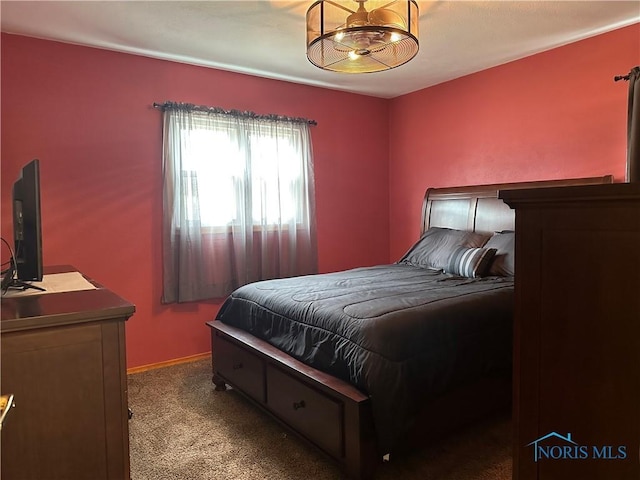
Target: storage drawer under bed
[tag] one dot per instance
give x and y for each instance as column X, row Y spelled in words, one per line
column 241, row 368
column 310, row 412
column 328, row 412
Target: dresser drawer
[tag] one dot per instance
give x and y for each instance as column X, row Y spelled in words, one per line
column 313, row 414
column 240, row 367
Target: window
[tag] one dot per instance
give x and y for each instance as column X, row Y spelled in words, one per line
column 238, row 201
column 266, row 168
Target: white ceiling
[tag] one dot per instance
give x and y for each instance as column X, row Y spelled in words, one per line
column 267, row 38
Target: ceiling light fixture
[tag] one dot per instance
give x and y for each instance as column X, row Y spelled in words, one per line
column 340, row 39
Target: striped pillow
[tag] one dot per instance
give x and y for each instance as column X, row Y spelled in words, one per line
column 434, row 248
column 470, row 262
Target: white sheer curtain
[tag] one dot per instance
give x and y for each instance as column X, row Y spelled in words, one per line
column 238, row 201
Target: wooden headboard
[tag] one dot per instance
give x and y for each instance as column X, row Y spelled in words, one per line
column 477, row 207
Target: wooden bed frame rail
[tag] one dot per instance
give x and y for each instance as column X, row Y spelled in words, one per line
column 248, row 356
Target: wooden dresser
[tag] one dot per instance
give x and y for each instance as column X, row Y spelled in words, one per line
column 577, row 332
column 63, row 359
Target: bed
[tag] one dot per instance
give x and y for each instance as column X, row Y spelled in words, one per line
column 361, row 362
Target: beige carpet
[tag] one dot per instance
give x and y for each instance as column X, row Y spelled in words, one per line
column 183, row 429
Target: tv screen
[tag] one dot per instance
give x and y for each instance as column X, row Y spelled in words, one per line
column 27, row 230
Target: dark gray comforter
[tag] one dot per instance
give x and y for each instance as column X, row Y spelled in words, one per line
column 401, row 334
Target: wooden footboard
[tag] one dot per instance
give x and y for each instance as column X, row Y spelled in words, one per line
column 323, row 410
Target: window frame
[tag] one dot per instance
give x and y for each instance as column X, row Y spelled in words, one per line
column 300, row 216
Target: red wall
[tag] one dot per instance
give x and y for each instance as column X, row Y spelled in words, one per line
column 87, row 115
column 558, row 114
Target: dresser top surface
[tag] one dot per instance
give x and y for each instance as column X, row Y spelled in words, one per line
column 40, row 310
column 614, row 192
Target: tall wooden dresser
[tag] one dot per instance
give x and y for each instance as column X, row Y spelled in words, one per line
column 63, row 359
column 577, row 332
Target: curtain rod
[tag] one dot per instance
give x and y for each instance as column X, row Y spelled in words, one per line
column 635, row 70
column 203, row 108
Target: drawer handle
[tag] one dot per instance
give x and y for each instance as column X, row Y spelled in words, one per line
column 237, row 366
column 297, row 405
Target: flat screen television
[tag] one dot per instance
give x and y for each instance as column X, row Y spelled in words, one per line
column 27, row 229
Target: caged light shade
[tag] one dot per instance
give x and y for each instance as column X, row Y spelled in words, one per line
column 362, row 36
